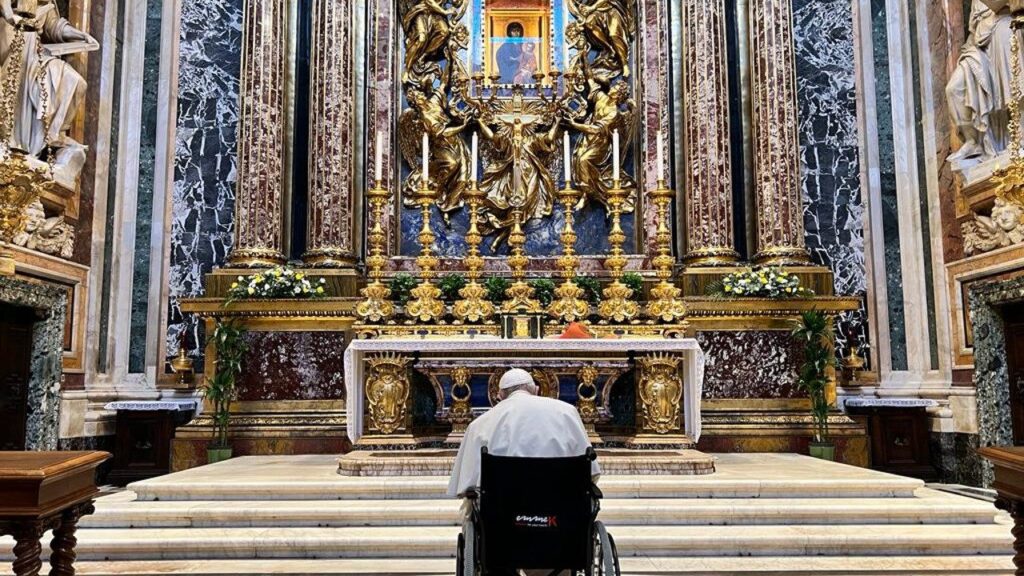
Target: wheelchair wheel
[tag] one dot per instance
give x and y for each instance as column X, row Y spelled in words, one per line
column 465, row 562
column 606, row 557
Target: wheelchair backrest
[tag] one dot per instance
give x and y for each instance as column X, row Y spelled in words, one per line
column 536, row 512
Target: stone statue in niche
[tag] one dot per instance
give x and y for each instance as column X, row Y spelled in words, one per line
column 1003, row 228
column 50, row 235
column 51, row 90
column 979, row 91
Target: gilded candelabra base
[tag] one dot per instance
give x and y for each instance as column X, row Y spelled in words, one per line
column 569, row 304
column 377, row 306
column 520, row 299
column 666, row 304
column 426, row 305
column 473, row 306
column 617, row 305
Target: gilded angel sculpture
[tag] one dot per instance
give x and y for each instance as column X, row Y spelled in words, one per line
column 429, row 25
column 449, row 155
column 609, row 26
column 592, row 159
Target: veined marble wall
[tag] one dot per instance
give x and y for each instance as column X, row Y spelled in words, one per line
column 204, row 176
column 833, row 207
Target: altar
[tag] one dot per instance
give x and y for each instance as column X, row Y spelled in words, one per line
column 629, row 391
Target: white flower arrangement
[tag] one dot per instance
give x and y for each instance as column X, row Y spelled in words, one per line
column 279, row 282
column 761, row 282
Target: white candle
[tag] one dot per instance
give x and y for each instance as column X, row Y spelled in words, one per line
column 615, row 155
column 426, row 160
column 566, row 159
column 474, row 160
column 379, row 166
column 661, row 156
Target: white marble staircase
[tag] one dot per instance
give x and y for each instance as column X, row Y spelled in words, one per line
column 758, row 514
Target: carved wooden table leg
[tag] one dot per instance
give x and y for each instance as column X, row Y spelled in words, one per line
column 27, row 549
column 62, row 557
column 1016, row 510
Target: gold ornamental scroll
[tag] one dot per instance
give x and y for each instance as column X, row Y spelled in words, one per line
column 259, row 210
column 780, row 225
column 330, row 234
column 709, row 231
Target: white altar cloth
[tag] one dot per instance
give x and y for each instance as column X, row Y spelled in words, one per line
column 693, row 380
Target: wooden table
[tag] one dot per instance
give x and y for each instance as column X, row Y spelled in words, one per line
column 44, row 491
column 1009, row 465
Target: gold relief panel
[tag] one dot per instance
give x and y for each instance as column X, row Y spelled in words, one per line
column 660, row 392
column 387, row 393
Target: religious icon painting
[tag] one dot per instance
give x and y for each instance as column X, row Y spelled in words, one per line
column 517, row 40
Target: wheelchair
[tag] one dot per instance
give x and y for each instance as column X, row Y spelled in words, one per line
column 535, row 514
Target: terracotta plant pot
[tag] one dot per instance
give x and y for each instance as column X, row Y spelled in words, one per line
column 823, row 450
column 214, row 455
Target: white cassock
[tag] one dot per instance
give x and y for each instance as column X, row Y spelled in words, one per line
column 521, row 425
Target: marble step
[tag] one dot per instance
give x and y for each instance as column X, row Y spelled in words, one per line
column 744, row 566
column 929, row 507
column 413, row 487
column 439, row 542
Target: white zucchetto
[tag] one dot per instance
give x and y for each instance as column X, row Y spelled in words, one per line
column 514, row 377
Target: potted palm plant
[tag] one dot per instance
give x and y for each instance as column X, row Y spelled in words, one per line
column 814, row 332
column 229, row 343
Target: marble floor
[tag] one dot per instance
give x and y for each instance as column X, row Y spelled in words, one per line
column 757, row 514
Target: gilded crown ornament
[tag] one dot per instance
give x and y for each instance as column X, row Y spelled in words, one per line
column 377, row 305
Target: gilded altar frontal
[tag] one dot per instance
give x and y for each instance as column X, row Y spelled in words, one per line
column 266, row 267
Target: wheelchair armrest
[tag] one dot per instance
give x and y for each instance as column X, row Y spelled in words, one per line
column 472, row 493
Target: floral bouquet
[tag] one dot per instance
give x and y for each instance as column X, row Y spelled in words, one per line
column 279, row 282
column 760, row 282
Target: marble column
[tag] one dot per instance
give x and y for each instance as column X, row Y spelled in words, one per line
column 780, row 228
column 259, row 209
column 708, row 185
column 330, row 238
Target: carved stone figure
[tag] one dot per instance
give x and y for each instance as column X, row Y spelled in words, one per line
column 1003, row 228
column 979, row 91
column 50, row 91
column 50, row 235
column 612, row 109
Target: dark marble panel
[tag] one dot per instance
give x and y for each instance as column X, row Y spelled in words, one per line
column 205, row 154
column 826, row 94
column 991, row 373
column 43, row 424
column 954, row 456
column 293, row 366
column 750, row 364
column 144, row 201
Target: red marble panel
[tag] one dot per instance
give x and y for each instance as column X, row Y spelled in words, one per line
column 293, row 366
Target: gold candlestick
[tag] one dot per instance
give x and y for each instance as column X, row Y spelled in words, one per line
column 473, row 305
column 569, row 305
column 520, row 294
column 426, row 305
column 665, row 304
column 616, row 305
column 377, row 306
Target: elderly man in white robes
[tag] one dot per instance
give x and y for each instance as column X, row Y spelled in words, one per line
column 523, row 424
